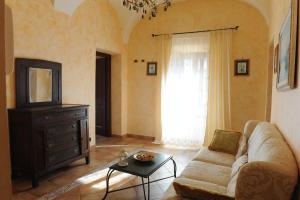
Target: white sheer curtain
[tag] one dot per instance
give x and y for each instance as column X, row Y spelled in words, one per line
column 220, row 58
column 185, row 91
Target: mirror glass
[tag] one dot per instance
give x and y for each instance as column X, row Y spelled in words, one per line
column 40, row 85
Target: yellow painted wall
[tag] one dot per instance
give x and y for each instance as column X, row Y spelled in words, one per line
column 285, row 104
column 116, row 95
column 251, row 41
column 44, row 33
column 119, row 93
column 5, row 183
column 124, row 86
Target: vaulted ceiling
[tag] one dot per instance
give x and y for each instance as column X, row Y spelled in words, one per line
column 67, row 6
column 129, row 19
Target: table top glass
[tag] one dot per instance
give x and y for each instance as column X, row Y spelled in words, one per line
column 143, row 169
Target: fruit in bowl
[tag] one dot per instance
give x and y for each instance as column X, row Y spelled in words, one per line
column 144, row 156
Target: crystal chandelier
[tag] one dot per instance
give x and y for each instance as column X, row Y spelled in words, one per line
column 145, row 6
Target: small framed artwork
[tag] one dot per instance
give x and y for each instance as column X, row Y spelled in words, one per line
column 241, row 67
column 152, row 68
column 287, row 52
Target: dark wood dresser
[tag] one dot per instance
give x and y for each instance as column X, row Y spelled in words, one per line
column 45, row 138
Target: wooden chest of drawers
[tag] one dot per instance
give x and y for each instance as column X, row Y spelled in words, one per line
column 47, row 137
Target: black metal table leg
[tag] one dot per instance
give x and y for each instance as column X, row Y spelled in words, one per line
column 148, row 188
column 110, row 171
column 144, row 188
column 175, row 167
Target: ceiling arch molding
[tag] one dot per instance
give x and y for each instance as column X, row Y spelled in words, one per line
column 129, row 19
column 263, row 6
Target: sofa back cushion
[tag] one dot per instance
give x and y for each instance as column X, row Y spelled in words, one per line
column 249, row 127
column 267, row 144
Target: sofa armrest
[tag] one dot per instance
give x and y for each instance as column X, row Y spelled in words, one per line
column 263, row 180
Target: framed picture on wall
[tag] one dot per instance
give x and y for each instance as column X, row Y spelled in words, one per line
column 287, row 49
column 241, row 67
column 152, row 68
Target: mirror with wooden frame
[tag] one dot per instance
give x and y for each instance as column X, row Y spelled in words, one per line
column 38, row 82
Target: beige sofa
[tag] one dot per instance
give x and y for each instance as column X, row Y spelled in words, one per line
column 269, row 174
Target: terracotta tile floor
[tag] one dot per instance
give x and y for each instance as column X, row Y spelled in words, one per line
column 94, row 188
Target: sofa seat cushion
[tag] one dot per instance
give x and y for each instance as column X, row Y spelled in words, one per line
column 215, row 157
column 195, row 189
column 207, row 172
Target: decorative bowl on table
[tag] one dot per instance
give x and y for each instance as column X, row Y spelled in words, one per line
column 144, row 156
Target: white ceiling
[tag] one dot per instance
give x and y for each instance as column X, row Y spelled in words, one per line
column 129, row 19
column 67, row 6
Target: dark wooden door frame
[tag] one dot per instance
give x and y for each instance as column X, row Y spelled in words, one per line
column 107, row 124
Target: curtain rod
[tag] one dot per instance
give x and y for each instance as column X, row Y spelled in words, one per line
column 200, row 31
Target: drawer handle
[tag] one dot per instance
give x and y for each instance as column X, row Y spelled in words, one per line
column 75, row 150
column 77, row 114
column 74, row 125
column 50, row 145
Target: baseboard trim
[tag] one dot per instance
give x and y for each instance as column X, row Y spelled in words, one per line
column 148, row 138
column 119, row 136
column 129, row 135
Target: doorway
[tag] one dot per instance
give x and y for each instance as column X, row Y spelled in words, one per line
column 103, row 94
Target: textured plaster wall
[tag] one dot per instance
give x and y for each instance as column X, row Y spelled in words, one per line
column 44, row 33
column 116, row 94
column 251, row 41
column 5, row 183
column 285, row 104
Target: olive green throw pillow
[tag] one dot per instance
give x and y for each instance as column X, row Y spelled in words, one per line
column 225, row 141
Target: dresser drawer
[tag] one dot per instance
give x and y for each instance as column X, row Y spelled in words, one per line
column 62, row 137
column 61, row 116
column 61, row 156
column 61, row 130
column 76, row 114
column 62, row 143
